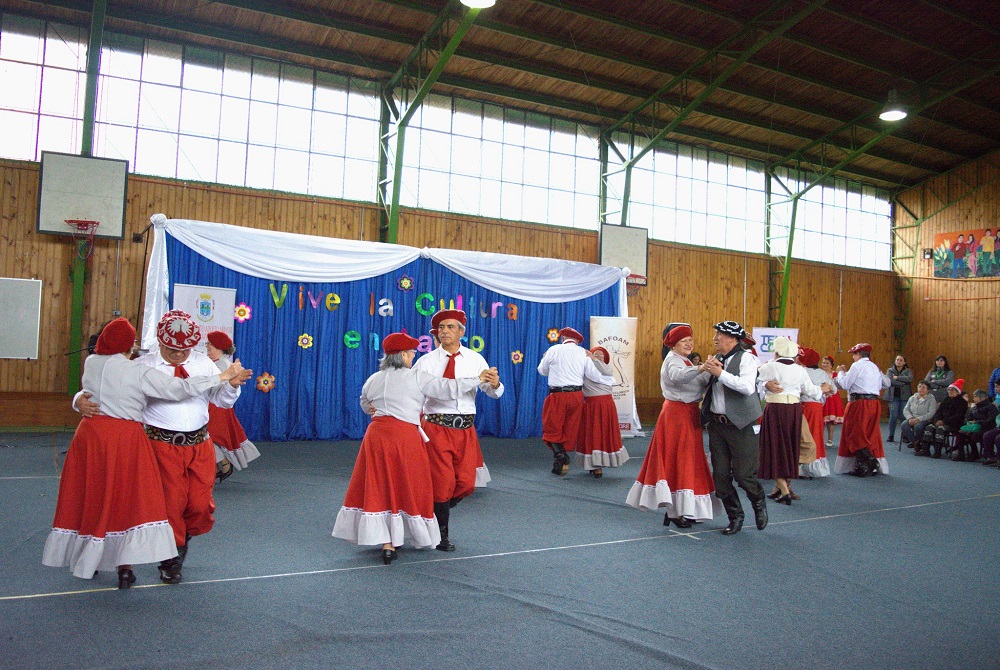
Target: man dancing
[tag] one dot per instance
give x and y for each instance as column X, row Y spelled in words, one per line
column 861, row 452
column 454, row 451
column 730, row 412
column 566, row 365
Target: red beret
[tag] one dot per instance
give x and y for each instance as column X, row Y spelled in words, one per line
column 571, row 334
column 177, row 330
column 603, row 352
column 116, row 338
column 676, row 334
column 220, row 340
column 397, row 342
column 861, row 346
column 809, row 357
column 456, row 314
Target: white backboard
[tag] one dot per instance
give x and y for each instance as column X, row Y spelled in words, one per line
column 624, row 247
column 78, row 187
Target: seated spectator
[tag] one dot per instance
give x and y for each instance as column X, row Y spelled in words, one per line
column 991, row 438
column 940, row 378
column 917, row 414
column 982, row 416
column 948, row 418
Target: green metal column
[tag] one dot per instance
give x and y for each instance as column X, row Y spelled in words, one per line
column 87, row 149
column 385, row 119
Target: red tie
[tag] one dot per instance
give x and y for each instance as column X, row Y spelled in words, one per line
column 179, row 371
column 689, row 363
column 449, row 369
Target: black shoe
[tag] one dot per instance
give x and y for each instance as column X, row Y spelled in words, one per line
column 560, row 463
column 445, row 545
column 735, row 526
column 680, row 522
column 223, row 473
column 388, row 556
column 126, row 578
column 170, row 571
column 774, row 495
column 889, row 439
column 597, row 473
column 785, row 499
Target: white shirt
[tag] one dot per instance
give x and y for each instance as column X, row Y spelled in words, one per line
column 469, row 364
column 592, row 388
column 568, row 364
column 190, row 414
column 863, row 377
column 400, row 392
column 121, row 387
column 680, row 381
column 745, row 382
column 794, row 379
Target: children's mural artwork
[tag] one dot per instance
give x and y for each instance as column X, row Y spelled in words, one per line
column 966, row 254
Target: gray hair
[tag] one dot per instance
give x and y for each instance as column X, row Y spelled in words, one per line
column 391, row 361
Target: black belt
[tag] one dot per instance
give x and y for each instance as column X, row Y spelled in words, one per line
column 178, row 438
column 460, row 421
column 564, row 389
column 719, row 418
column 851, row 397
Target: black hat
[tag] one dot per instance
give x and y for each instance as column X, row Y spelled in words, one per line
column 731, row 328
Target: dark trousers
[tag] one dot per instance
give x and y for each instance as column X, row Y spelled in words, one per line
column 913, row 434
column 735, row 456
column 991, row 440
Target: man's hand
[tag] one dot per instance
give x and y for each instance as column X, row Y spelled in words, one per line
column 239, row 374
column 492, row 377
column 86, row 406
column 713, row 366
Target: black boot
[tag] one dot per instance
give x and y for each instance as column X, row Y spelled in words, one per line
column 170, row 570
column 560, row 460
column 182, row 552
column 937, row 447
column 734, row 510
column 867, row 465
column 442, row 511
column 760, row 513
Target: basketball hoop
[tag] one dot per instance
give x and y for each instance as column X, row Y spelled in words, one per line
column 83, row 232
column 633, row 283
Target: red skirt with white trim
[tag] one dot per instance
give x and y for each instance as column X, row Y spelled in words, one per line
column 675, row 472
column 861, row 431
column 599, row 443
column 833, row 409
column 230, row 440
column 812, row 414
column 390, row 497
column 111, row 509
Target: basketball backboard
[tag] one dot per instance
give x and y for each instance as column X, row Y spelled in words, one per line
column 82, row 188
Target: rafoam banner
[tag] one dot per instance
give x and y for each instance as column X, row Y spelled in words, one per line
column 765, row 340
column 618, row 336
column 211, row 307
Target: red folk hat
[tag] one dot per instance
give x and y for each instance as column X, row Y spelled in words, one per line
column 397, row 342
column 809, row 357
column 116, row 338
column 861, row 346
column 177, row 330
column 571, row 334
column 603, row 353
column 220, row 340
column 456, row 314
column 957, row 385
column 676, row 333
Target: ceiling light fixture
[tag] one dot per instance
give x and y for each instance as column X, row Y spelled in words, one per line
column 479, row 4
column 893, row 110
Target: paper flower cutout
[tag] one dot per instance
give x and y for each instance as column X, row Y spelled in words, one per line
column 553, row 335
column 405, row 283
column 243, row 312
column 265, row 382
column 516, row 357
column 305, row 340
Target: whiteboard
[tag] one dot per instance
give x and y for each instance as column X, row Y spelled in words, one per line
column 80, row 187
column 20, row 311
column 624, row 247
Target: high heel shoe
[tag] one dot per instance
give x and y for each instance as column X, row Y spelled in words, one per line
column 774, row 495
column 126, row 578
column 784, row 500
column 793, row 494
column 388, row 556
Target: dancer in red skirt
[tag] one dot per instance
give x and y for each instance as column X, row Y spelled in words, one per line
column 599, row 442
column 111, row 511
column 833, row 406
column 861, row 452
column 390, row 496
column 233, row 451
column 812, row 415
column 675, row 472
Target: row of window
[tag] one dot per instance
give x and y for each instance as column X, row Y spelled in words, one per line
column 197, row 114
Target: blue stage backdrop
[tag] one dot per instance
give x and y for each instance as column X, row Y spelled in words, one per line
column 313, row 345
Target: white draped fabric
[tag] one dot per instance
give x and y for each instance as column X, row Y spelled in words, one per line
column 307, row 258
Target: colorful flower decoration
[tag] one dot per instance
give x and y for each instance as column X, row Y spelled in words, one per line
column 516, row 357
column 405, row 283
column 305, row 340
column 243, row 312
column 265, row 382
column 553, row 335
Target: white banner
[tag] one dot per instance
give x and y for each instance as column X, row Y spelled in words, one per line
column 618, row 336
column 211, row 307
column 765, row 340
